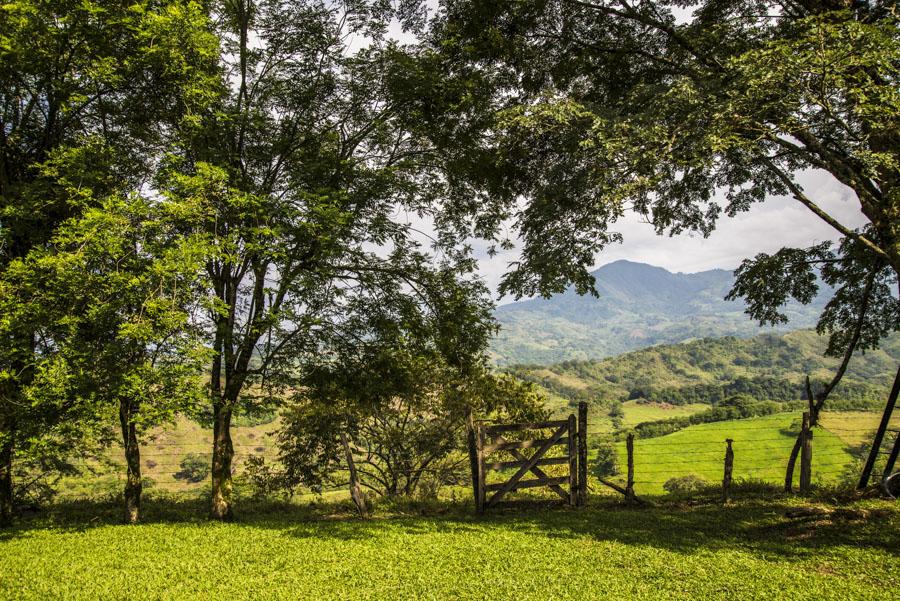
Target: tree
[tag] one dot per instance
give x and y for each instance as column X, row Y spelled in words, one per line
column 583, row 110
column 396, row 391
column 110, row 302
column 861, row 313
column 89, row 90
column 296, row 177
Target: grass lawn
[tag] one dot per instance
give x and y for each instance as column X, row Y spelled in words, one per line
column 747, row 551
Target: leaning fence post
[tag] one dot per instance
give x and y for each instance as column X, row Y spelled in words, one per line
column 582, row 453
column 629, row 486
column 806, row 455
column 729, row 466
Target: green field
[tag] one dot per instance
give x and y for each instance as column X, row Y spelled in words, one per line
column 746, row 551
column 761, row 448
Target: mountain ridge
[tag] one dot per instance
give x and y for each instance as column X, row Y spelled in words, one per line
column 639, row 305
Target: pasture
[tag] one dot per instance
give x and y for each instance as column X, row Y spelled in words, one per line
column 761, row 448
column 605, row 551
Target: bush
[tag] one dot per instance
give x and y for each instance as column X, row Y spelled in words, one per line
column 685, row 485
column 194, row 468
column 607, row 461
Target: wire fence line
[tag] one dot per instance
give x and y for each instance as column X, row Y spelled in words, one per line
column 761, row 452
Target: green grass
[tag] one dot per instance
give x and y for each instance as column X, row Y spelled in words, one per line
column 747, row 551
column 761, row 449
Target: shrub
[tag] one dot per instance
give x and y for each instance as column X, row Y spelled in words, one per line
column 194, row 468
column 684, row 485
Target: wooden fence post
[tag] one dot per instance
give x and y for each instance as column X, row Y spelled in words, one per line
column 479, row 455
column 573, row 462
column 582, row 453
column 629, row 486
column 806, row 455
column 729, row 466
column 473, row 450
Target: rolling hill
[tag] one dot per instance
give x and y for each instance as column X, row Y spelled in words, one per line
column 767, row 366
column 638, row 306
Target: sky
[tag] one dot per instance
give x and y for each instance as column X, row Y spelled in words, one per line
column 766, row 227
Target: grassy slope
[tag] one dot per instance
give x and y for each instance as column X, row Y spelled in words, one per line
column 161, row 457
column 761, row 447
column 748, row 551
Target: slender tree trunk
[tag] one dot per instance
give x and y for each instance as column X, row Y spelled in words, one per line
column 133, row 486
column 223, row 453
column 6, row 480
column 355, row 491
column 792, row 462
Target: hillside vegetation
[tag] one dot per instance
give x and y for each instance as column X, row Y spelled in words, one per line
column 768, row 366
column 638, row 305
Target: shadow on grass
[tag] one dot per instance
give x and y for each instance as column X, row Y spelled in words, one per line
column 759, row 526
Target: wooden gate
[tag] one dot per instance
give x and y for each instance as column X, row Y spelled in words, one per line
column 569, row 433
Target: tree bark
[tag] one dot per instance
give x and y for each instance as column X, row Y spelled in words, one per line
column 355, row 491
column 6, row 480
column 223, row 453
column 133, row 486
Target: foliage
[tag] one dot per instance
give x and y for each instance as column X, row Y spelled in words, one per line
column 194, row 468
column 403, row 432
column 91, row 91
column 730, row 409
column 597, row 109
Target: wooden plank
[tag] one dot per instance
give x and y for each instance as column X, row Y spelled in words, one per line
column 522, row 444
column 505, row 465
column 537, row 471
column 508, row 486
column 573, row 463
column 497, row 429
column 528, row 484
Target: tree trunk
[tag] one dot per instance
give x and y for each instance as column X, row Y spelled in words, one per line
column 355, row 491
column 6, row 488
column 133, row 487
column 223, row 453
column 792, row 462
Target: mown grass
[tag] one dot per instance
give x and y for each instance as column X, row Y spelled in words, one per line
column 605, row 551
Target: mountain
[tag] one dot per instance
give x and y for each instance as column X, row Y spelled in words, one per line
column 639, row 305
column 766, row 367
